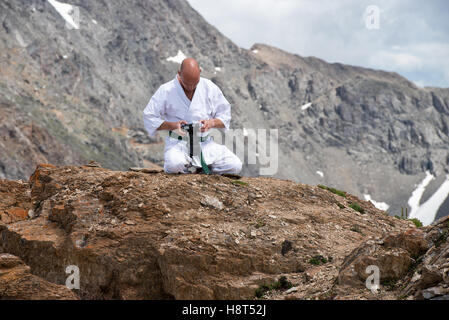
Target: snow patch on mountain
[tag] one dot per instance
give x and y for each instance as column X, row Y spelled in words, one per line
column 379, row 205
column 415, row 199
column 178, row 58
column 66, row 11
column 427, row 212
column 306, row 106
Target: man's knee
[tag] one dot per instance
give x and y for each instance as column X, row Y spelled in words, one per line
column 174, row 167
column 236, row 165
column 175, row 162
column 232, row 166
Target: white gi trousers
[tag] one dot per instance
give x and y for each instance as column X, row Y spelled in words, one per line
column 218, row 157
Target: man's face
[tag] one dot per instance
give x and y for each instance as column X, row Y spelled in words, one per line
column 188, row 83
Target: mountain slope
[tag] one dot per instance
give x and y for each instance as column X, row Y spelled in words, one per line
column 69, row 96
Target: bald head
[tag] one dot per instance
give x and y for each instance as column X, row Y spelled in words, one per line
column 190, row 65
column 190, row 74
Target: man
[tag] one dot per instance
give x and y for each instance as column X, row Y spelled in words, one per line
column 187, row 99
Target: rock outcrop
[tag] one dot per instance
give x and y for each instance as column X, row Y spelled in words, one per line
column 137, row 235
column 412, row 265
column 17, row 283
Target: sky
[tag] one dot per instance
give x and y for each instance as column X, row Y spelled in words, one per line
column 410, row 37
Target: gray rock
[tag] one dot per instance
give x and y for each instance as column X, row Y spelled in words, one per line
column 211, row 201
column 291, row 290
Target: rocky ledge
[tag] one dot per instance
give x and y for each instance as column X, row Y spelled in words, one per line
column 149, row 235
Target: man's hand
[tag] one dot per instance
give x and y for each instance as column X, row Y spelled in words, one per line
column 177, row 127
column 173, row 126
column 211, row 123
column 206, row 124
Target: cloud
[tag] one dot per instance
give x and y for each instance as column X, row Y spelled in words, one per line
column 412, row 39
column 400, row 61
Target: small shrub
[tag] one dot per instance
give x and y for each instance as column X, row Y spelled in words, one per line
column 333, row 190
column 357, row 207
column 281, row 284
column 317, row 260
column 339, row 192
column 417, row 223
column 284, row 284
column 262, row 290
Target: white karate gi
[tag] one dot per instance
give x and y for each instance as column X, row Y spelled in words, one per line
column 170, row 103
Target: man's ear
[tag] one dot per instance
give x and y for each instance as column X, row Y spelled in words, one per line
column 201, row 69
column 179, row 72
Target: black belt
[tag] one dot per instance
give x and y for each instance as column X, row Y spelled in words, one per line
column 179, row 137
column 189, row 129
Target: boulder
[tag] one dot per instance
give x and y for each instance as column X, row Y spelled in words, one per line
column 17, row 283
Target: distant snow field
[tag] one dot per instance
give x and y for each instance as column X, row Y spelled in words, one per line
column 178, row 58
column 414, row 200
column 66, row 11
column 379, row 205
column 320, row 173
column 427, row 211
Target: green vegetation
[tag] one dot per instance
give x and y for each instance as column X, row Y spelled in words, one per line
column 238, row 182
column 281, row 284
column 357, row 207
column 417, row 223
column 317, row 260
column 333, row 190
